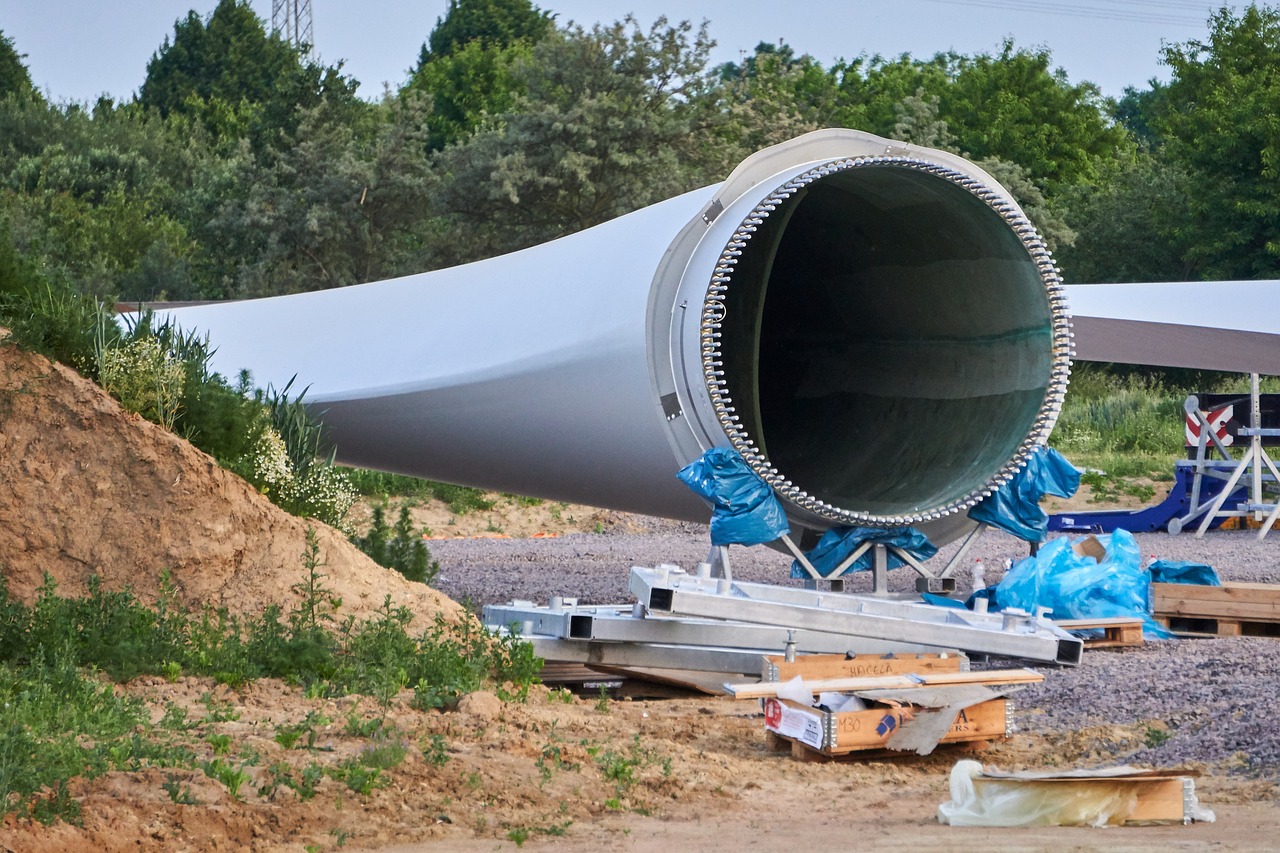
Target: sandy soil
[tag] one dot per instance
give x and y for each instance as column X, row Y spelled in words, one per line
column 578, row 775
column 88, row 489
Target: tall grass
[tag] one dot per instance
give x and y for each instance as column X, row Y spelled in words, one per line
column 460, row 499
column 1130, row 424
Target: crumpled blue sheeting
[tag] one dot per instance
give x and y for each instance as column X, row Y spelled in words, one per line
column 744, row 509
column 839, row 542
column 1182, row 571
column 1075, row 586
column 1015, row 506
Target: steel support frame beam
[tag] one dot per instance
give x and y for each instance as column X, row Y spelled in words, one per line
column 648, row 656
column 621, row 624
column 668, row 589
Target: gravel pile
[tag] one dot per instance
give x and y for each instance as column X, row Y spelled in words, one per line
column 1201, row 700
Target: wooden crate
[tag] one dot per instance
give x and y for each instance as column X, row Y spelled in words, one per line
column 846, row 732
column 821, row 666
column 1233, row 609
column 1117, row 631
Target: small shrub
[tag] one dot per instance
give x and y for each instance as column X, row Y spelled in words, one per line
column 386, row 750
column 436, row 751
column 179, row 793
column 400, row 548
column 232, row 778
column 145, row 378
column 358, row 777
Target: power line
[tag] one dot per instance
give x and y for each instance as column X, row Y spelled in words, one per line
column 1134, row 14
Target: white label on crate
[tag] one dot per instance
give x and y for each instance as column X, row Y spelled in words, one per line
column 804, row 726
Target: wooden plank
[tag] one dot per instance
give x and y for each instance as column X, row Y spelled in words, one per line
column 1255, row 602
column 765, row 689
column 823, row 666
column 1101, row 622
column 1160, row 801
column 1118, row 631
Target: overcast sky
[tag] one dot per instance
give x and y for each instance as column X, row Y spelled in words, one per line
column 79, row 49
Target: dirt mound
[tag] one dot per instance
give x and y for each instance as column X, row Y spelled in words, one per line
column 87, row 488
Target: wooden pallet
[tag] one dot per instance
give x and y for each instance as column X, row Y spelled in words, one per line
column 802, row 752
column 1186, row 626
column 1118, row 631
column 1230, row 610
column 812, row 734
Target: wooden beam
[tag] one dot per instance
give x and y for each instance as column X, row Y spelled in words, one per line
column 1246, row 602
column 765, row 689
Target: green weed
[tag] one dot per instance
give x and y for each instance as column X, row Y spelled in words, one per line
column 221, row 743
column 1155, row 735
column 359, row 777
column 435, row 751
column 232, row 778
column 386, row 750
column 178, row 792
column 218, row 711
column 304, row 731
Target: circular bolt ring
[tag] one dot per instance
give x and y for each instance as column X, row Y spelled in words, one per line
column 713, row 313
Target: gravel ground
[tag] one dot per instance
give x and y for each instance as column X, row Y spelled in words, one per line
column 1204, row 700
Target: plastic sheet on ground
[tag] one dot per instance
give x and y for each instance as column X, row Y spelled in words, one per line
column 1077, row 586
column 839, row 542
column 1015, row 506
column 744, row 509
column 1080, row 798
column 1183, row 571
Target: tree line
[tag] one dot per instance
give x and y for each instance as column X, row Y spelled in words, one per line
column 245, row 168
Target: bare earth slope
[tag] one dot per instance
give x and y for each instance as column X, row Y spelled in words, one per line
column 87, row 488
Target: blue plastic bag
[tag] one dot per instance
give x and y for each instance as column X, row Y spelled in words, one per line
column 1015, row 506
column 1076, row 586
column 1182, row 571
column 839, row 542
column 744, row 510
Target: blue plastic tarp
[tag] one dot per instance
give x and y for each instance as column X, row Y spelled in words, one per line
column 839, row 542
column 744, row 509
column 1182, row 571
column 1015, row 506
column 1076, row 586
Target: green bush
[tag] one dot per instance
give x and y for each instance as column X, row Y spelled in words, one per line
column 400, row 548
column 47, row 316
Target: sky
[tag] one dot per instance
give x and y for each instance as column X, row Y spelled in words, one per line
column 78, row 50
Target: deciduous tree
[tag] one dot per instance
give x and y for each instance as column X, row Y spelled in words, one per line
column 1219, row 122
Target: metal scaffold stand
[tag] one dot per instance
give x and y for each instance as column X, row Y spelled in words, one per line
column 1255, row 462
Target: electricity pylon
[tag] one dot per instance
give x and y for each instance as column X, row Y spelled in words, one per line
column 292, row 20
